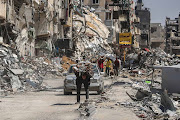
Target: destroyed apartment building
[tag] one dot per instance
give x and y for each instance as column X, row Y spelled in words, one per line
column 172, row 31
column 90, row 33
column 31, row 32
column 34, row 25
column 144, row 25
column 119, row 17
column 44, row 42
column 157, row 36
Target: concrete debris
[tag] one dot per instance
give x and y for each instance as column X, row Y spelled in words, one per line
column 102, row 99
column 90, row 34
column 17, row 71
column 162, row 58
column 151, row 73
column 151, row 104
column 25, row 74
column 87, row 109
column 143, row 59
column 15, row 82
column 166, row 102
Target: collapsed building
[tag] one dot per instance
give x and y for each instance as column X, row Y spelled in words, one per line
column 144, row 24
column 90, row 34
column 105, row 13
column 34, row 25
column 157, row 36
column 19, row 74
column 172, row 30
column 119, row 17
column 43, row 27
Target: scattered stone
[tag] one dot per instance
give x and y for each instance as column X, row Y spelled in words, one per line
column 87, row 109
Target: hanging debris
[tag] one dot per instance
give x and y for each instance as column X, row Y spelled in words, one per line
column 90, row 34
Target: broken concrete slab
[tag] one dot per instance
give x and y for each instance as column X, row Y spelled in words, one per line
column 166, row 102
column 15, row 82
column 33, row 84
column 87, row 109
column 17, row 71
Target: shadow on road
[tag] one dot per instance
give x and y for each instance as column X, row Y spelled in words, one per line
column 61, row 87
column 62, row 104
column 75, row 94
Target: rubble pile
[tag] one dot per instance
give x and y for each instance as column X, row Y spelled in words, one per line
column 148, row 104
column 90, row 33
column 10, row 70
column 44, row 66
column 87, row 109
column 66, row 62
column 24, row 74
column 154, row 57
column 160, row 57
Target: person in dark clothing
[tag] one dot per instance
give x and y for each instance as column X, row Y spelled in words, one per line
column 82, row 78
column 77, row 61
column 100, row 63
column 116, row 66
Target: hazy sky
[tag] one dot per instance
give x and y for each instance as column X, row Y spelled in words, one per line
column 162, row 8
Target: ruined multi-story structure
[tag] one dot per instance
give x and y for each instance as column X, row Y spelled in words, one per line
column 105, row 13
column 134, row 21
column 172, row 30
column 16, row 21
column 35, row 25
column 118, row 15
column 157, row 36
column 144, row 24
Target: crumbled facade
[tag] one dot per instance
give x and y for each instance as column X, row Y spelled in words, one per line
column 172, row 30
column 144, row 25
column 35, row 25
column 119, row 17
column 157, row 36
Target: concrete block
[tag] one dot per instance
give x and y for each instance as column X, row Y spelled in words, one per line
column 171, row 78
column 17, row 71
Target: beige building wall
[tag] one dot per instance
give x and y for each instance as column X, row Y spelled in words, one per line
column 87, row 2
column 102, row 16
column 50, row 14
column 2, row 9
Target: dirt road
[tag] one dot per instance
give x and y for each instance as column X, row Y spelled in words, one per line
column 53, row 105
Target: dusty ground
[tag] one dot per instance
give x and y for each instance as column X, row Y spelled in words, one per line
column 53, row 105
column 109, row 110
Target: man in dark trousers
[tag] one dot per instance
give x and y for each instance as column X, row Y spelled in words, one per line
column 116, row 66
column 82, row 78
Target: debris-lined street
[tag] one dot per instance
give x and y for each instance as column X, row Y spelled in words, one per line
column 89, row 60
column 52, row 104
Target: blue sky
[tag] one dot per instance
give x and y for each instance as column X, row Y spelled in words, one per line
column 162, row 8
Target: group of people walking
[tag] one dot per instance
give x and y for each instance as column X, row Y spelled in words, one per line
column 110, row 65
